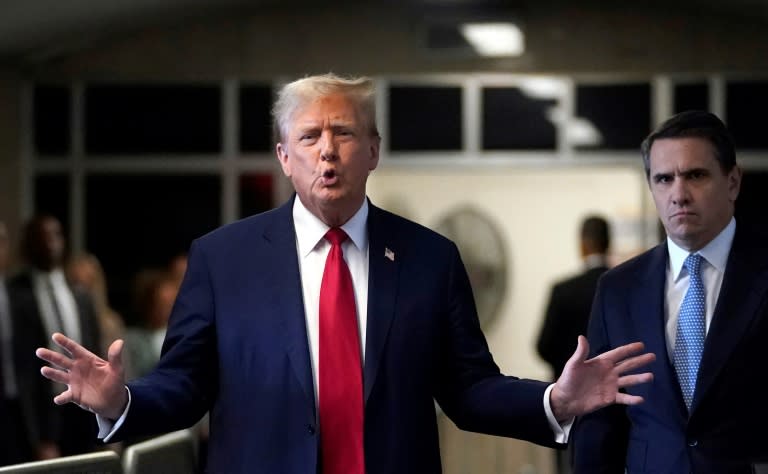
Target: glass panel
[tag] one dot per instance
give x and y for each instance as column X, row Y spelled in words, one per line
column 620, row 114
column 515, row 120
column 691, row 97
column 137, row 119
column 256, row 118
column 425, row 118
column 52, row 197
column 746, row 103
column 134, row 222
column 256, row 191
column 51, row 120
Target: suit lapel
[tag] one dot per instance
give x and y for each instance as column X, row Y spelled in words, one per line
column 744, row 285
column 286, row 297
column 383, row 264
column 647, row 308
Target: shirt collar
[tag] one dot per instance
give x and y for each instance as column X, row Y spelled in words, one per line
column 310, row 230
column 715, row 252
column 595, row 260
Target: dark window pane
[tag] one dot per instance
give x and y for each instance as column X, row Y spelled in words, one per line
column 136, row 119
column 746, row 103
column 52, row 197
column 513, row 120
column 691, row 97
column 255, row 194
column 135, row 222
column 51, row 120
column 255, row 118
column 621, row 113
column 425, row 118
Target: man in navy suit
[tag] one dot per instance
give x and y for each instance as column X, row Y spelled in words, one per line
column 245, row 339
column 705, row 410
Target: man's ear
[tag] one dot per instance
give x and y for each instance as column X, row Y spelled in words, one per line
column 282, row 157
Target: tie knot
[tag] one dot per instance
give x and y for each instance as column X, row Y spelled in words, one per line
column 336, row 236
column 693, row 263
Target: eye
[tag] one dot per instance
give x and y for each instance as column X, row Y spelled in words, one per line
column 663, row 179
column 697, row 174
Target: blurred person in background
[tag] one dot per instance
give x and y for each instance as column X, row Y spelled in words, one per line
column 569, row 305
column 84, row 271
column 48, row 303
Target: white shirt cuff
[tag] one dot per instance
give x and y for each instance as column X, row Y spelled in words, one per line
column 107, row 427
column 562, row 432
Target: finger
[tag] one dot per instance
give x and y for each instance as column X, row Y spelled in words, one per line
column 635, row 362
column 55, row 374
column 71, row 346
column 54, row 358
column 635, row 379
column 63, row 398
column 622, row 352
column 115, row 354
column 627, row 399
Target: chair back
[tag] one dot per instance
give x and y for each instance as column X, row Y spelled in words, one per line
column 101, row 462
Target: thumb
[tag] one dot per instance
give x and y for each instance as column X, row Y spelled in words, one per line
column 115, row 354
column 582, row 350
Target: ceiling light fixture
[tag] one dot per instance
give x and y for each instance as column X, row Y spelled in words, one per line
column 494, row 39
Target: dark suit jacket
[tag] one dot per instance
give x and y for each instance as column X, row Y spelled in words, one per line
column 19, row 430
column 237, row 345
column 68, row 426
column 567, row 317
column 724, row 433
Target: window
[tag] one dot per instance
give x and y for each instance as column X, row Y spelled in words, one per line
column 425, row 118
column 146, row 119
column 621, row 113
column 515, row 120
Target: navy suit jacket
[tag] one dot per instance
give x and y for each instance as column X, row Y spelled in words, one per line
column 237, row 346
column 725, row 431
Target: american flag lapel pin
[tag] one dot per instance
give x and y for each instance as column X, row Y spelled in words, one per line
column 389, row 254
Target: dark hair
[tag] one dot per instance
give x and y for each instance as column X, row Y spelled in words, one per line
column 694, row 123
column 596, row 230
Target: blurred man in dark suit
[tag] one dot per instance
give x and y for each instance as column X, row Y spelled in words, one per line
column 48, row 303
column 571, row 299
column 569, row 305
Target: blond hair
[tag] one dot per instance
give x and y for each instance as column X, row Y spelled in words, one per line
column 296, row 94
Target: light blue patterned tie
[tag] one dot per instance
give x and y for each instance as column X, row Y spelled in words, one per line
column 689, row 343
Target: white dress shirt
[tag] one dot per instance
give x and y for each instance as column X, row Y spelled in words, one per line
column 313, row 250
column 42, row 284
column 715, row 255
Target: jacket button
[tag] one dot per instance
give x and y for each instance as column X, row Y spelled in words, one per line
column 311, row 429
column 692, row 443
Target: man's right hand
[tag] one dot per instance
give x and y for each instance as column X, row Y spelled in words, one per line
column 94, row 384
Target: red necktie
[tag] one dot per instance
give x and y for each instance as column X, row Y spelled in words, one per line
column 341, row 378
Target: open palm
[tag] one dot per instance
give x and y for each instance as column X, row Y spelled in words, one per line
column 94, row 384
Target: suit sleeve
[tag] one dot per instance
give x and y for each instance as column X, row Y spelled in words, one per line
column 600, row 438
column 471, row 390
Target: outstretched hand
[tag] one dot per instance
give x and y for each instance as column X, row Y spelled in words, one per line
column 588, row 385
column 94, row 384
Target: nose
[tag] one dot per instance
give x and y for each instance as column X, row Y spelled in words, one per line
column 680, row 194
column 328, row 149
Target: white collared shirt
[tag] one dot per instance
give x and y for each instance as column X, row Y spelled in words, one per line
column 42, row 282
column 313, row 250
column 715, row 255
